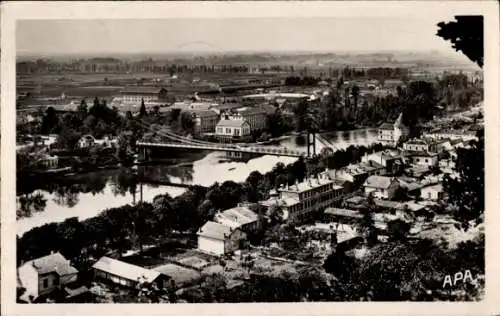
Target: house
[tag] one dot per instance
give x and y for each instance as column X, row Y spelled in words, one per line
column 204, row 120
column 50, row 162
column 86, row 141
column 46, row 275
column 219, row 239
column 125, row 274
column 232, row 127
column 432, row 192
column 424, row 158
column 392, row 134
column 392, row 159
column 107, row 142
column 240, row 217
column 381, row 187
column 137, row 94
column 358, row 173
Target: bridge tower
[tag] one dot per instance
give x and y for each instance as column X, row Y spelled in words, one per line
column 311, row 143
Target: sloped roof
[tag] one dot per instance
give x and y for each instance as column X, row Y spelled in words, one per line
column 202, row 113
column 214, row 230
column 378, row 182
column 343, row 212
column 125, row 270
column 53, row 263
column 387, row 126
column 179, row 274
column 231, row 123
column 251, row 111
column 141, row 90
column 237, row 216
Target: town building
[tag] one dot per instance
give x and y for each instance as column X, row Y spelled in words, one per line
column 218, row 239
column 432, row 192
column 204, row 120
column 305, row 199
column 254, row 116
column 45, row 275
column 137, row 94
column 241, row 217
column 392, row 134
column 86, row 141
column 421, row 144
column 125, row 274
column 392, row 159
column 232, row 127
column 381, row 187
column 424, row 158
column 50, row 162
column 359, row 172
column 452, row 134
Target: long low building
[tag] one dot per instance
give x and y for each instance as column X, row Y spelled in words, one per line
column 126, row 274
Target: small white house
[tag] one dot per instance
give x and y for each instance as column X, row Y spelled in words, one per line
column 432, row 192
column 425, row 159
column 233, row 127
column 219, row 239
column 45, row 275
column 381, row 187
column 86, row 141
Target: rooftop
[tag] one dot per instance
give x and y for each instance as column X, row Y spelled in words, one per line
column 202, row 113
column 52, row 263
column 231, row 123
column 125, row 270
column 236, row 217
column 343, row 212
column 179, row 274
column 214, row 230
column 141, row 90
column 251, row 111
column 379, row 182
column 309, row 184
column 387, row 126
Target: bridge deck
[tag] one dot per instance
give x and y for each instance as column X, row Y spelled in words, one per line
column 275, row 151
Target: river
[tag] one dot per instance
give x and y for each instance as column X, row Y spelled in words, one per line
column 87, row 195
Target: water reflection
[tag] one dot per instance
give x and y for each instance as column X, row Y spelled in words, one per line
column 55, row 199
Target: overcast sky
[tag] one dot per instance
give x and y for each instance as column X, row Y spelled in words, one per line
column 241, row 34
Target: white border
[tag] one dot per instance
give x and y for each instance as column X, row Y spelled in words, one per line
column 13, row 11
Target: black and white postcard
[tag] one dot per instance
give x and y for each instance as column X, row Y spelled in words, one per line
column 177, row 154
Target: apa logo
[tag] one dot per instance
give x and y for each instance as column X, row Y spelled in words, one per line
column 459, row 276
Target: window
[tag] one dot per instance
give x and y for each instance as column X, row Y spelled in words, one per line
column 45, row 283
column 228, row 130
column 237, row 132
column 55, row 282
column 426, row 160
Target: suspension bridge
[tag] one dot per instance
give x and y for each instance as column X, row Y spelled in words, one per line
column 171, row 140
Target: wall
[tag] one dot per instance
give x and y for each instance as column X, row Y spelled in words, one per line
column 211, row 245
column 29, row 279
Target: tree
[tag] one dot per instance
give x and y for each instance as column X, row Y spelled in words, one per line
column 398, row 229
column 187, row 122
column 355, row 95
column 465, row 191
column 142, row 110
column 466, row 36
column 50, row 122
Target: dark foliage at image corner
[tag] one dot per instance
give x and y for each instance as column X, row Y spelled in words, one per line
column 466, row 36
